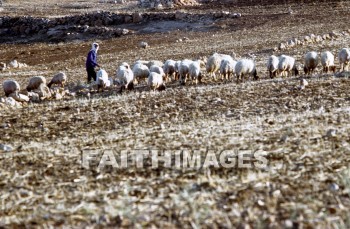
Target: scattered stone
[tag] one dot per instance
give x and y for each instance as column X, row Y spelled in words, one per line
column 333, row 34
column 313, row 37
column 2, row 66
column 307, row 38
column 303, row 82
column 144, row 44
column 13, row 64
column 281, row 46
column 180, row 15
column 344, row 74
column 5, row 148
column 288, row 224
column 128, row 19
column 33, row 97
column 319, row 38
column 137, row 17
column 333, row 187
column 12, row 102
column 19, row 97
column 235, row 15
column 291, row 43
column 326, row 37
column 331, row 133
column 158, row 6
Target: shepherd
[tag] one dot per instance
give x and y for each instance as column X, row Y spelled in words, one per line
column 91, row 62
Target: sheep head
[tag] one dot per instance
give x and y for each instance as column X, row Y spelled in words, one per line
column 162, row 87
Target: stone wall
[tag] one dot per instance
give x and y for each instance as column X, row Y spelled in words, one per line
column 101, row 23
column 166, row 3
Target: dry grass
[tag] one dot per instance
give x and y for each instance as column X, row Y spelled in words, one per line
column 45, row 171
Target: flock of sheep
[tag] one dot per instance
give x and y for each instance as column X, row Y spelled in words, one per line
column 156, row 73
column 284, row 65
column 37, row 90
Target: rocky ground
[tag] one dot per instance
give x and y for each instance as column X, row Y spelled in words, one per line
column 305, row 133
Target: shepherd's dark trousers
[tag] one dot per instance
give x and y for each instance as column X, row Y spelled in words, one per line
column 91, row 74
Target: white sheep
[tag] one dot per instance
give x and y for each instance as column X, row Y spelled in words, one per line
column 177, row 69
column 60, row 79
column 272, row 66
column 155, row 62
column 10, row 86
column 214, row 62
column 245, row 67
column 344, row 59
column 184, row 70
column 102, row 80
column 287, row 64
column 169, row 69
column 311, row 61
column 227, row 68
column 141, row 71
column 195, row 73
column 125, row 77
column 155, row 81
column 35, row 82
column 145, row 62
column 327, row 61
column 157, row 69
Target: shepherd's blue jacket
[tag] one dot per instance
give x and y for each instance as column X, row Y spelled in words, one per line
column 91, row 60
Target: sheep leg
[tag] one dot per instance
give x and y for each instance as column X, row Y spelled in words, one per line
column 183, row 79
column 130, row 86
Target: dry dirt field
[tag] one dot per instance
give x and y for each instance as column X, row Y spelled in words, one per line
column 305, row 133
